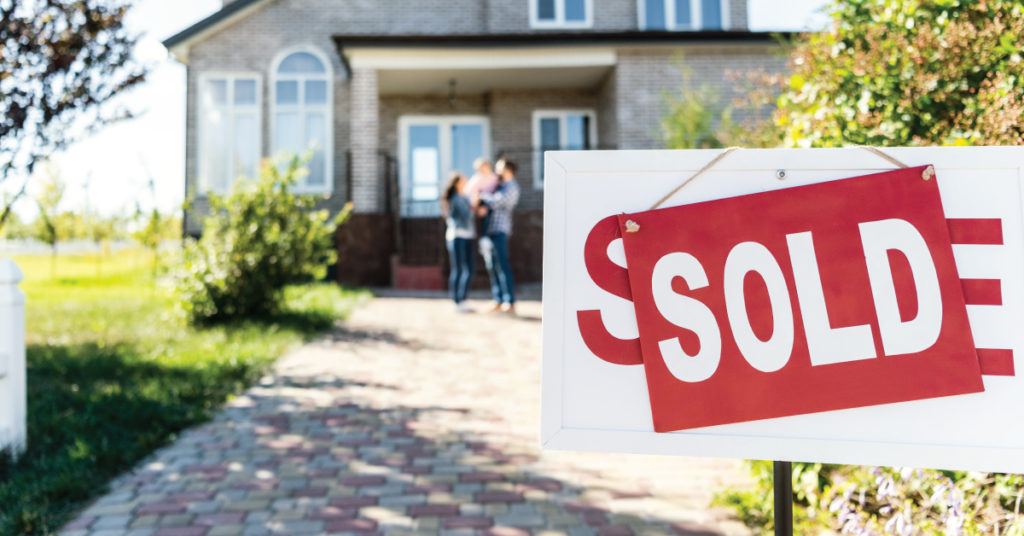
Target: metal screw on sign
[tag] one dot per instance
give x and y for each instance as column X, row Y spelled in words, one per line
column 780, row 174
column 782, row 480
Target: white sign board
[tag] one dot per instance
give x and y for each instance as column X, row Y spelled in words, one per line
column 594, row 405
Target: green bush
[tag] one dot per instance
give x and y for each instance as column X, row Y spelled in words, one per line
column 255, row 241
column 853, row 499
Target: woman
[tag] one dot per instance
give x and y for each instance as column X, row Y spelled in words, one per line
column 458, row 213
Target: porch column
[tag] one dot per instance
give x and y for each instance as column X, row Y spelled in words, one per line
column 364, row 140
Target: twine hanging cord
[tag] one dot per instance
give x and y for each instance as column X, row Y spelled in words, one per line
column 729, row 150
column 701, row 171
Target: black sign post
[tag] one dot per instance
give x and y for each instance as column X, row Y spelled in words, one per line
column 782, row 479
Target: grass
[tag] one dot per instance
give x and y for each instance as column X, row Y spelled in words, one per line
column 114, row 373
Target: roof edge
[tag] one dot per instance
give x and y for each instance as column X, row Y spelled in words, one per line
column 589, row 37
column 211, row 21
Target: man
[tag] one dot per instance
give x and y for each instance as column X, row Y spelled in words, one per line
column 494, row 244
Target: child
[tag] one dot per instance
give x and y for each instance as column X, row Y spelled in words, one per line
column 483, row 182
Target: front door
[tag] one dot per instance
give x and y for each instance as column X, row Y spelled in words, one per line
column 430, row 148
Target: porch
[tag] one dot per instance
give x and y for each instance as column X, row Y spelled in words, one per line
column 417, row 115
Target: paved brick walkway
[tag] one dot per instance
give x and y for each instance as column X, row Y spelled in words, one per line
column 408, row 419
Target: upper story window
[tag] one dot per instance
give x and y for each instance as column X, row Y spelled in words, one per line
column 684, row 14
column 561, row 130
column 302, row 115
column 561, row 13
column 229, row 129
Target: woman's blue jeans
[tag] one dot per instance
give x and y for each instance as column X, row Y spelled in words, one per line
column 461, row 255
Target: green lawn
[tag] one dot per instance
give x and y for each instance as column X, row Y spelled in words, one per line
column 114, row 373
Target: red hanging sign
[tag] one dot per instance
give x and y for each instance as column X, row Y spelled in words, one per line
column 815, row 298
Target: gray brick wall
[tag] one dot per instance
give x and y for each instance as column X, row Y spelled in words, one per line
column 643, row 75
column 468, row 16
column 512, row 129
column 364, row 140
column 509, row 16
column 738, row 15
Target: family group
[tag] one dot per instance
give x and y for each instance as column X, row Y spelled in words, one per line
column 481, row 206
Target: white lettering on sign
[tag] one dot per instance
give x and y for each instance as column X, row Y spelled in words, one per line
column 686, row 313
column 921, row 332
column 773, row 354
column 826, row 345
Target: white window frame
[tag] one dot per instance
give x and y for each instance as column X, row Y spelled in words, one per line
column 561, row 115
column 696, row 15
column 202, row 181
column 559, row 22
column 327, row 108
column 444, row 142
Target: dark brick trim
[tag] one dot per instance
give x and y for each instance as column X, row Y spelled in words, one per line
column 537, row 38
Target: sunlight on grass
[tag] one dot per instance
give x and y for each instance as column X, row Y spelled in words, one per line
column 114, row 372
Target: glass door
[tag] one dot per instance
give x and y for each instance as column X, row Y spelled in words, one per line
column 430, row 148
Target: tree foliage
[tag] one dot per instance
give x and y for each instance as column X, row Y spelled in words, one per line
column 697, row 118
column 61, row 62
column 256, row 241
column 908, row 72
column 49, row 226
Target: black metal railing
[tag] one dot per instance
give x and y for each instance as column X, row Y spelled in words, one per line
column 530, row 160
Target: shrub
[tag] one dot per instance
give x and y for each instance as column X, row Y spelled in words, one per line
column 851, row 499
column 255, row 241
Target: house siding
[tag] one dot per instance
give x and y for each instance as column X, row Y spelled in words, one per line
column 512, row 113
column 644, row 76
column 471, row 16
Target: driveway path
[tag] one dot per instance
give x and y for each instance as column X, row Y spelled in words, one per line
column 408, row 418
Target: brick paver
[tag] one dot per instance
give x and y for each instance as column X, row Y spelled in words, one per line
column 409, row 418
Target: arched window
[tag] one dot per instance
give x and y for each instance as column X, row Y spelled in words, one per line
column 301, row 115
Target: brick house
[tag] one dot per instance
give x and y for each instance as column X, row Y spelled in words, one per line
column 393, row 94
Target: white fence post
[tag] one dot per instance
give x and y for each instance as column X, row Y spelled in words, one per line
column 12, row 360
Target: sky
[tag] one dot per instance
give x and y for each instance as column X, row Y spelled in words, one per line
column 110, row 171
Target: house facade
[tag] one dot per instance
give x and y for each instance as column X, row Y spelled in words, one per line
column 389, row 96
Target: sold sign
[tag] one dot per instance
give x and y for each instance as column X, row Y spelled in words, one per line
column 835, row 295
column 738, row 319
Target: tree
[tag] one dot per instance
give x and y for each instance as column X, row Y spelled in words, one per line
column 696, row 118
column 154, row 229
column 48, row 226
column 15, row 228
column 61, row 63
column 101, row 231
column 908, row 72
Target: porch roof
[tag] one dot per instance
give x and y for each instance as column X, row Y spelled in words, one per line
column 431, row 64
